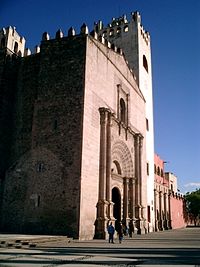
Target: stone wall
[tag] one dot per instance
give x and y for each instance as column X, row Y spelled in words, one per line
column 8, row 76
column 178, row 211
column 52, row 181
column 105, row 71
column 42, row 185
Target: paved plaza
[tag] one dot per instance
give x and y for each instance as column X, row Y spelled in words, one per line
column 170, row 248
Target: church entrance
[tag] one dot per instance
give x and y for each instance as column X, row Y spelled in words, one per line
column 116, row 199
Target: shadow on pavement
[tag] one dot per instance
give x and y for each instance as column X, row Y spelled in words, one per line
column 101, row 256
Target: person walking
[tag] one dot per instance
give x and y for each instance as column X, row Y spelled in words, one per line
column 111, row 231
column 120, row 232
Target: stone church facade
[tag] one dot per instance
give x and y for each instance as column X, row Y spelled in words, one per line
column 77, row 135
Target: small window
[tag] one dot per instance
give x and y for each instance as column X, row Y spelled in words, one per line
column 40, row 167
column 145, row 63
column 147, row 124
column 122, row 111
column 16, row 47
column 158, row 171
column 38, row 201
column 155, row 168
column 147, row 168
column 162, row 173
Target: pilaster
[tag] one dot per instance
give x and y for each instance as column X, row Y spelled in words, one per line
column 108, row 157
column 169, row 206
column 125, row 201
column 131, row 206
column 104, row 205
column 160, row 222
column 165, row 223
column 155, row 210
column 102, row 164
column 140, row 221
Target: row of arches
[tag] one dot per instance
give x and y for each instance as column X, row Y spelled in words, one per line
column 158, row 171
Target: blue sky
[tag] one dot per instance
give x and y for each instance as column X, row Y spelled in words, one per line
column 174, row 26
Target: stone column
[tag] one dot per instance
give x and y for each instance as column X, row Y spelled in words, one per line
column 137, row 181
column 127, row 108
column 138, row 188
column 108, row 167
column 102, row 163
column 131, row 211
column 132, row 198
column 167, row 208
column 165, row 223
column 118, row 111
column 140, row 168
column 125, row 201
column 102, row 205
column 160, row 211
column 108, row 158
column 155, row 210
column 169, row 205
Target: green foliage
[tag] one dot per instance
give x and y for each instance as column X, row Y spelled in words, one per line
column 193, row 203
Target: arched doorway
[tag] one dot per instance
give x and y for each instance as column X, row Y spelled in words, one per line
column 116, row 199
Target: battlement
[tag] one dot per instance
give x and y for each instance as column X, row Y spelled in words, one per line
column 84, row 30
column 145, row 35
column 10, row 39
column 121, row 26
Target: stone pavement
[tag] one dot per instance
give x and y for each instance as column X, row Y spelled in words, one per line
column 170, row 248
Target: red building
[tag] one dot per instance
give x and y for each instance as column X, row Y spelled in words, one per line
column 169, row 205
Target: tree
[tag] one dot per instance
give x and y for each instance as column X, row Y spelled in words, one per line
column 193, row 205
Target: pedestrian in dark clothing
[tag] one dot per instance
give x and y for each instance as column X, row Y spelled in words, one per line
column 120, row 232
column 111, row 231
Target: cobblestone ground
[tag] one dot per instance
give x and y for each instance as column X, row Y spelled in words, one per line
column 169, row 248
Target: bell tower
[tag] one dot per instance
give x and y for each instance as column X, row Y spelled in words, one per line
column 12, row 41
column 134, row 41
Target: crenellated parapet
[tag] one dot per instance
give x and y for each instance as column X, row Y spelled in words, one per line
column 12, row 41
column 136, row 17
column 83, row 31
column 14, row 44
column 121, row 27
column 27, row 52
column 145, row 35
column 176, row 195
